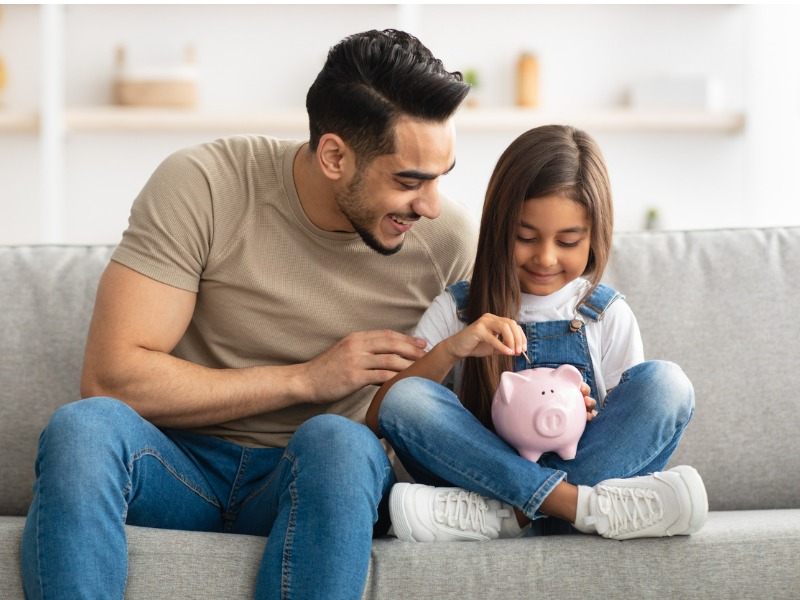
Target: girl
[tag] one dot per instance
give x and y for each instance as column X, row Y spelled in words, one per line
column 535, row 301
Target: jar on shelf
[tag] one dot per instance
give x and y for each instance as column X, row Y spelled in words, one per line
column 3, row 81
column 528, row 80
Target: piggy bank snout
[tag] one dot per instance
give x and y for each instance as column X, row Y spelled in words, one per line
column 550, row 421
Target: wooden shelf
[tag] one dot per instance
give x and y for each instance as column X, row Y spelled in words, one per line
column 18, row 121
column 616, row 120
column 122, row 119
column 112, row 118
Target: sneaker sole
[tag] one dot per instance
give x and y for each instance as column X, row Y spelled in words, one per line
column 399, row 521
column 697, row 496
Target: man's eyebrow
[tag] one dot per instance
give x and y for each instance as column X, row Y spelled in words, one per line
column 423, row 175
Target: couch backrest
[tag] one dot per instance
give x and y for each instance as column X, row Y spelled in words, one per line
column 719, row 303
column 46, row 300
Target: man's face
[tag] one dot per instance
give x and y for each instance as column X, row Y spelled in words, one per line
column 383, row 200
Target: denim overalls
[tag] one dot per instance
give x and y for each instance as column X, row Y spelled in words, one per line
column 555, row 343
column 635, row 431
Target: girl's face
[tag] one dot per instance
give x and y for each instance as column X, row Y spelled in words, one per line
column 552, row 244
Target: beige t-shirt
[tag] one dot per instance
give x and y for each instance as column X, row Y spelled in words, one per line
column 223, row 219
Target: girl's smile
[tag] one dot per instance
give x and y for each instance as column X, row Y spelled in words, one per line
column 552, row 244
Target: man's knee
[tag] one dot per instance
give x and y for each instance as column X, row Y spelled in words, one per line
column 340, row 443
column 85, row 428
column 90, row 416
column 342, row 457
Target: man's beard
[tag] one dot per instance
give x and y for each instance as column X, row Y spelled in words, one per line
column 355, row 207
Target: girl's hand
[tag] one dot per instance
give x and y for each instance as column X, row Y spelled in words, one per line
column 591, row 403
column 488, row 335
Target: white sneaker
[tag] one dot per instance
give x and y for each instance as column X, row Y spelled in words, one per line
column 422, row 513
column 672, row 502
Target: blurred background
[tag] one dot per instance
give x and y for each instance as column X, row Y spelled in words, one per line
column 696, row 107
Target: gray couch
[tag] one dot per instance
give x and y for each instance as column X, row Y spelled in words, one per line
column 719, row 303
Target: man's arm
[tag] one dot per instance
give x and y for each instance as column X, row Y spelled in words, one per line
column 137, row 321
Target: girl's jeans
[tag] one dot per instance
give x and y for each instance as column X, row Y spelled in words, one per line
column 441, row 443
column 100, row 466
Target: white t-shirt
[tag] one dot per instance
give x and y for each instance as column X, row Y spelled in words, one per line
column 615, row 343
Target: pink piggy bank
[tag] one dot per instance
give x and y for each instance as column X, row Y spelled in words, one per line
column 540, row 410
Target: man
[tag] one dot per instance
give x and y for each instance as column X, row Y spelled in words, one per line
column 262, row 289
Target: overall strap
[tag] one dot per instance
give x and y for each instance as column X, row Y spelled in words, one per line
column 460, row 292
column 598, row 302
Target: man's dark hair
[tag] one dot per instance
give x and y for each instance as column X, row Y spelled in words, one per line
column 372, row 78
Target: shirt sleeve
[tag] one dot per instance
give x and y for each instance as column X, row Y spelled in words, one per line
column 439, row 321
column 621, row 342
column 170, row 229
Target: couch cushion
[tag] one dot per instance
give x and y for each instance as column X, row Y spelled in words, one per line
column 736, row 555
column 46, row 299
column 721, row 304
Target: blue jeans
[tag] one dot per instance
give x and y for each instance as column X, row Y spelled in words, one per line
column 100, row 465
column 634, row 433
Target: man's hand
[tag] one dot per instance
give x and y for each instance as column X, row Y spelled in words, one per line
column 360, row 359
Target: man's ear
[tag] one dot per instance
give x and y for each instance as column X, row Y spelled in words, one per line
column 334, row 156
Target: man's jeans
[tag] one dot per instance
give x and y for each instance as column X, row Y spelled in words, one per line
column 100, row 466
column 634, row 433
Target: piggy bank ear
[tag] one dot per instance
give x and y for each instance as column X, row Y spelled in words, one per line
column 569, row 374
column 508, row 381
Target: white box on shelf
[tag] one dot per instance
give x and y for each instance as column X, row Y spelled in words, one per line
column 698, row 93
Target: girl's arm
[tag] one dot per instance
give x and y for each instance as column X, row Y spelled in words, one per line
column 488, row 335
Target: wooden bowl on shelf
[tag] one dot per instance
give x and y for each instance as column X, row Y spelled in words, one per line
column 156, row 87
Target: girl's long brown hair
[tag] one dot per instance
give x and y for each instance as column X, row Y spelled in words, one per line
column 547, row 160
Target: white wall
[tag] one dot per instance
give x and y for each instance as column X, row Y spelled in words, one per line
column 255, row 57
column 772, row 152
column 589, row 56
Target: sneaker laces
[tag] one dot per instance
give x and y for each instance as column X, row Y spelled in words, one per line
column 461, row 509
column 629, row 509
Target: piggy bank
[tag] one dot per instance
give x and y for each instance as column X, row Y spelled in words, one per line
column 540, row 410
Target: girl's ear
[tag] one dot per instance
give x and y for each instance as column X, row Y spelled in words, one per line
column 334, row 156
